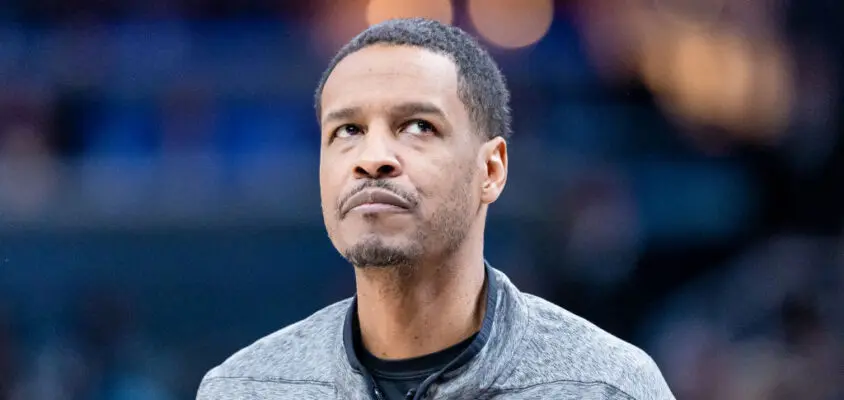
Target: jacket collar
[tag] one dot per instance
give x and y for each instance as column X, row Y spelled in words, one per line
column 474, row 370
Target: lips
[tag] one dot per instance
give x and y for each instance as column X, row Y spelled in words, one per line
column 374, row 196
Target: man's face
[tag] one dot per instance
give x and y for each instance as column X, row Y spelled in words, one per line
column 399, row 166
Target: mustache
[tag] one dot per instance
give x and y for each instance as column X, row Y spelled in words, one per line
column 378, row 184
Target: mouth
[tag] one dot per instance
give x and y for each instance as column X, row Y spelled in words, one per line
column 375, row 201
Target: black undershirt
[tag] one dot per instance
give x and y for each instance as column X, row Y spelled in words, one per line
column 396, row 378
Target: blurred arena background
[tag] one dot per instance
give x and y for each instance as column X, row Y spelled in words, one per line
column 677, row 177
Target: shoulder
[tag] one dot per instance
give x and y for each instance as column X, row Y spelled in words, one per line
column 561, row 348
column 303, row 351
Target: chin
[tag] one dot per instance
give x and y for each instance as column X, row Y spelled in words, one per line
column 377, row 251
column 371, row 240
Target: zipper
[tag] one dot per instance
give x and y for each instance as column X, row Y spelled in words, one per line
column 373, row 387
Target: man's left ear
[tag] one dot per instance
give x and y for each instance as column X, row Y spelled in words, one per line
column 494, row 156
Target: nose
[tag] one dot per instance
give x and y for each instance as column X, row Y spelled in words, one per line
column 377, row 159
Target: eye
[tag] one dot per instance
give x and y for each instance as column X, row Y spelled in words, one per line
column 347, row 130
column 419, row 127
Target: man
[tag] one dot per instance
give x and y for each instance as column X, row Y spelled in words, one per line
column 414, row 119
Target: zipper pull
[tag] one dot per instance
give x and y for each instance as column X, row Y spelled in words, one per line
column 410, row 394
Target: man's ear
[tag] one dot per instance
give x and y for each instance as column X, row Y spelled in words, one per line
column 494, row 157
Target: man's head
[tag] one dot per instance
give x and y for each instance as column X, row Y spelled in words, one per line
column 414, row 117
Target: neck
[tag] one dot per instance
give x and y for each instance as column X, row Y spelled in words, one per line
column 407, row 312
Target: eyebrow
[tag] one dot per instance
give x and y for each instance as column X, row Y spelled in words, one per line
column 341, row 114
column 398, row 110
column 414, row 108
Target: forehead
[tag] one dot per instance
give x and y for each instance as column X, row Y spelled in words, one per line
column 378, row 76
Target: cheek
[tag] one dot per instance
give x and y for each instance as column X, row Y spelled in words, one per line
column 466, row 183
column 451, row 182
column 328, row 191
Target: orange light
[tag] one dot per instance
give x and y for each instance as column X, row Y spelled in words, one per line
column 721, row 78
column 511, row 23
column 704, row 69
column 382, row 10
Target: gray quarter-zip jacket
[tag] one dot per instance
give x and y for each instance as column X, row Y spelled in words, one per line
column 527, row 348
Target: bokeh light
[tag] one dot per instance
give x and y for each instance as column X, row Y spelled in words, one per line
column 720, row 78
column 511, row 23
column 381, row 10
column 705, row 66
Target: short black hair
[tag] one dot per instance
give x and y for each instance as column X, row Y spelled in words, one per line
column 481, row 85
